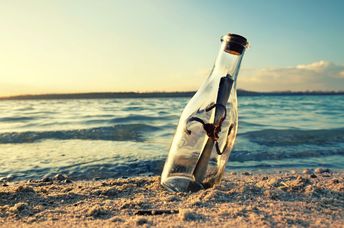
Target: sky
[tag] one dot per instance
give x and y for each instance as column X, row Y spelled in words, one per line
column 63, row 46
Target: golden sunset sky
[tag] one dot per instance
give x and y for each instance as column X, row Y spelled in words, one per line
column 109, row 46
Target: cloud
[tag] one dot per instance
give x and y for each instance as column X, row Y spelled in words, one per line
column 341, row 74
column 316, row 66
column 321, row 75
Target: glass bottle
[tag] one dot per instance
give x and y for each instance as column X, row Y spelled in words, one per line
column 208, row 125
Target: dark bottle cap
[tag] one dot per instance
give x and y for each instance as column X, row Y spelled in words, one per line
column 235, row 44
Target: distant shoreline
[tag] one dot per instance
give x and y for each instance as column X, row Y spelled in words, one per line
column 119, row 95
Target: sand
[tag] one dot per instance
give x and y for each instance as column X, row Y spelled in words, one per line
column 242, row 199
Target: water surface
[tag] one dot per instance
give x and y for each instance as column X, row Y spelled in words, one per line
column 99, row 138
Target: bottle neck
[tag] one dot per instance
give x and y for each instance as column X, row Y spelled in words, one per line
column 227, row 63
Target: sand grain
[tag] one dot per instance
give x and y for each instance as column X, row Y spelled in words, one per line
column 284, row 199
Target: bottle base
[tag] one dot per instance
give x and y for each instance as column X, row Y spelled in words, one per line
column 181, row 184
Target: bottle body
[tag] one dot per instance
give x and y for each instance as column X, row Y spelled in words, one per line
column 207, row 128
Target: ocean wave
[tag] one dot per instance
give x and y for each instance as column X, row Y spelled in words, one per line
column 283, row 154
column 266, row 165
column 89, row 171
column 292, row 137
column 131, row 118
column 16, row 119
column 125, row 132
column 133, row 108
column 250, row 124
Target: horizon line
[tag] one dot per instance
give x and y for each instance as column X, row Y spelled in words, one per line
column 152, row 94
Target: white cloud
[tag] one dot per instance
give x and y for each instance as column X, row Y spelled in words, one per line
column 316, row 66
column 341, row 74
column 321, row 75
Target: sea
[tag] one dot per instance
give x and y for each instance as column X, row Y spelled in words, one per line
column 94, row 139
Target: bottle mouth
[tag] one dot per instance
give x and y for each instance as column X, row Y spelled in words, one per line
column 235, row 44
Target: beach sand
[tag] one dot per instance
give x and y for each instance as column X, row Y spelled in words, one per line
column 242, row 199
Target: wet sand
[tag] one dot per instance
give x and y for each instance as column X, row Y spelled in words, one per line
column 242, row 199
